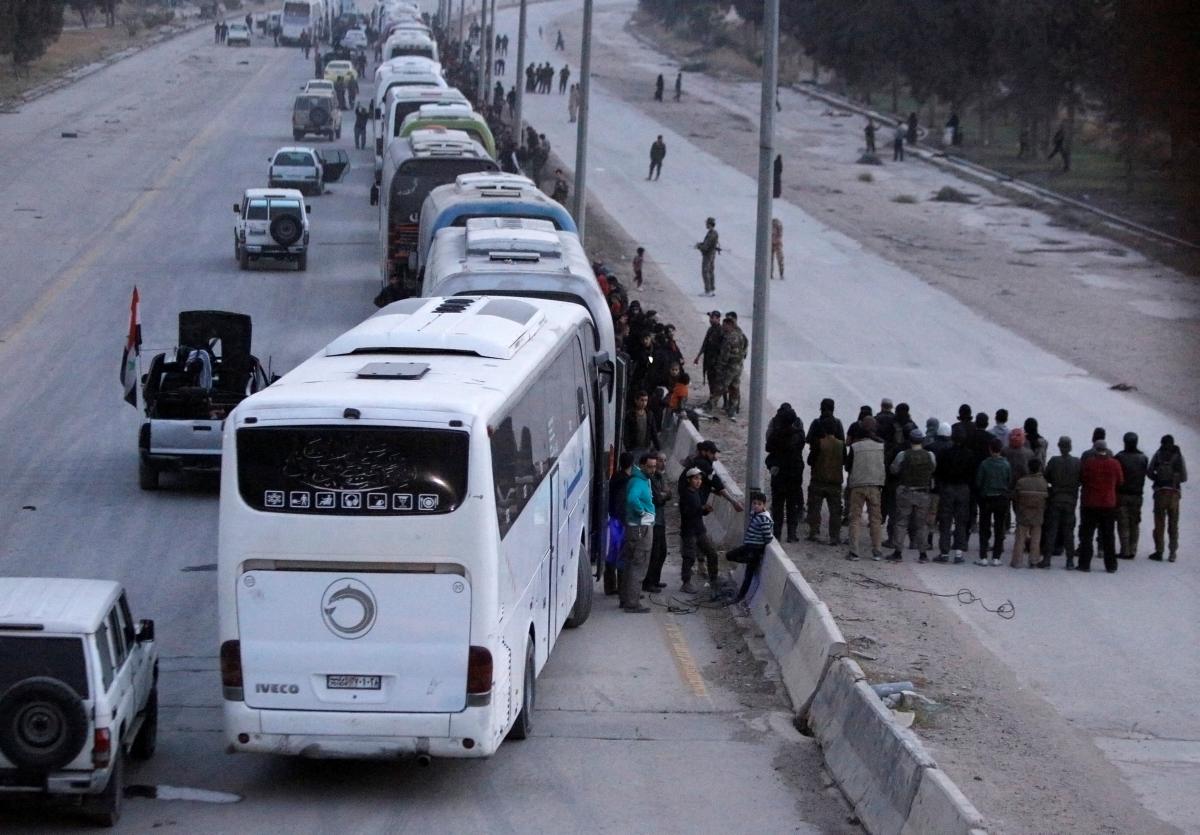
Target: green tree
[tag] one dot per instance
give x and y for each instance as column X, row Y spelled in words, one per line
column 27, row 28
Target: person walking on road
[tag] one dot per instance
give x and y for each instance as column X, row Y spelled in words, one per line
column 559, row 44
column 678, row 85
column 709, row 247
column 898, row 143
column 563, row 75
column 1167, row 474
column 869, row 134
column 864, row 463
column 638, row 261
column 993, row 481
column 1134, row 466
column 785, row 462
column 777, row 177
column 352, row 91
column 217, row 33
column 639, row 534
column 710, row 347
column 1029, row 507
column 1061, row 148
column 913, row 468
column 339, row 90
column 1062, row 474
column 1100, row 475
column 658, row 88
column 305, row 42
column 658, row 152
column 362, row 116
column 573, row 103
column 777, row 246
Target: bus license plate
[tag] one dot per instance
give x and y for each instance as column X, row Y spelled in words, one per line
column 347, row 682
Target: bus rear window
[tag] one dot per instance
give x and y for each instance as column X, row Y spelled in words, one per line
column 351, row 470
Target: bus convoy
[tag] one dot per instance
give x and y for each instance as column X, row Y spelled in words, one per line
column 410, row 517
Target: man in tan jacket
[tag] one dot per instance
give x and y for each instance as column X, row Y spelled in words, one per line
column 1029, row 505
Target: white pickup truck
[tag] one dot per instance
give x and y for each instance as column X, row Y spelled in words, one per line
column 78, row 691
column 187, row 393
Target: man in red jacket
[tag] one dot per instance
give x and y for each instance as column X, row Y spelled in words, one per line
column 1100, row 476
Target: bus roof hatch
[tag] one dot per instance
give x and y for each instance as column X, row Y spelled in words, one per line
column 512, row 238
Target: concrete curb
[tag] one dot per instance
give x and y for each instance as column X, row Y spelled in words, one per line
column 882, row 768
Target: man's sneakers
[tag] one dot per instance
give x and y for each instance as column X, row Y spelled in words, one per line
column 1156, row 556
column 959, row 559
column 636, row 610
column 876, row 555
column 895, row 556
column 853, row 557
column 982, row 561
column 944, row 558
column 1171, row 558
column 995, row 562
column 922, row 557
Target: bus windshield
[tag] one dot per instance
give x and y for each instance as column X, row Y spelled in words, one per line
column 352, row 470
column 295, row 11
column 414, row 180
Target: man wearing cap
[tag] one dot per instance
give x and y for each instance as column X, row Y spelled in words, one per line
column 709, row 247
column 710, row 348
column 710, row 483
column 826, row 419
column 913, row 469
column 1134, row 465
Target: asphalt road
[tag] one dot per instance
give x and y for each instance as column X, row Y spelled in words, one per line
column 638, row 726
column 1114, row 655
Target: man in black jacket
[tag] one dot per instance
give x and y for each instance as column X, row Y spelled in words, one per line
column 785, row 461
column 955, row 476
column 1134, row 465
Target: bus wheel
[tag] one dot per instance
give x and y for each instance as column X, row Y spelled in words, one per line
column 583, row 592
column 523, row 727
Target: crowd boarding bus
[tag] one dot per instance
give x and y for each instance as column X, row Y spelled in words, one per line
column 412, row 167
column 403, row 532
column 517, row 257
column 299, row 15
column 486, row 195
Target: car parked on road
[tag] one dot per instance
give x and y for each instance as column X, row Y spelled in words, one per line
column 78, row 691
column 354, row 39
column 318, row 85
column 306, row 169
column 316, row 112
column 271, row 223
column 340, row 69
column 187, row 392
column 238, row 33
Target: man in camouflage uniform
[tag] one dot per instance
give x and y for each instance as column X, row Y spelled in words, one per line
column 727, row 376
column 709, row 247
column 710, row 349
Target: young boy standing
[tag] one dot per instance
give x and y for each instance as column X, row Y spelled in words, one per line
column 759, row 533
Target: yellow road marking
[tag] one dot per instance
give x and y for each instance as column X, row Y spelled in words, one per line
column 75, row 271
column 688, row 670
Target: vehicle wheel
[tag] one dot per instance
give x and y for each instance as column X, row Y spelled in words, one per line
column 43, row 725
column 302, row 262
column 286, row 230
column 147, row 472
column 583, row 592
column 523, row 727
column 297, row 135
column 105, row 808
column 146, row 743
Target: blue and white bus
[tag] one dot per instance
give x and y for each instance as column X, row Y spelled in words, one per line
column 404, row 531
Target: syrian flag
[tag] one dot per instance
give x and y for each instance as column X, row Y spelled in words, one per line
column 133, row 351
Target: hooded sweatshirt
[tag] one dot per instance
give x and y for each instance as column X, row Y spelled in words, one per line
column 639, row 499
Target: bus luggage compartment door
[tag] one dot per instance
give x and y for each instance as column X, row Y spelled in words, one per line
column 355, row 641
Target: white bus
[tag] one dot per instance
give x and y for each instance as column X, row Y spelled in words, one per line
column 403, row 532
column 299, row 15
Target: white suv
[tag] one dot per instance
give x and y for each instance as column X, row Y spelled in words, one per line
column 306, row 169
column 78, row 690
column 271, row 223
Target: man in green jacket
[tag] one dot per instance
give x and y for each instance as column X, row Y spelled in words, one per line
column 992, row 482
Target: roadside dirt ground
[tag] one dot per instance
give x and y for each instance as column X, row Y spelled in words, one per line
column 1015, row 757
column 1106, row 308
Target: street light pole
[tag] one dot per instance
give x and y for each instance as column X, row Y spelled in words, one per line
column 519, row 78
column 762, row 248
column 462, row 13
column 581, row 136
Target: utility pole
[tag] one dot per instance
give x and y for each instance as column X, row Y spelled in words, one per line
column 483, row 53
column 519, row 77
column 491, row 54
column 762, row 248
column 462, row 13
column 581, row 135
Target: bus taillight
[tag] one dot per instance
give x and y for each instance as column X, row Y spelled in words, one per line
column 479, row 676
column 231, row 671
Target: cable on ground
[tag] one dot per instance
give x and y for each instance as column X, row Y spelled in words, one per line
column 965, row 596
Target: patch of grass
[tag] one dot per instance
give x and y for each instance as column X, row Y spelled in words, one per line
column 905, row 198
column 949, row 194
column 866, row 177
